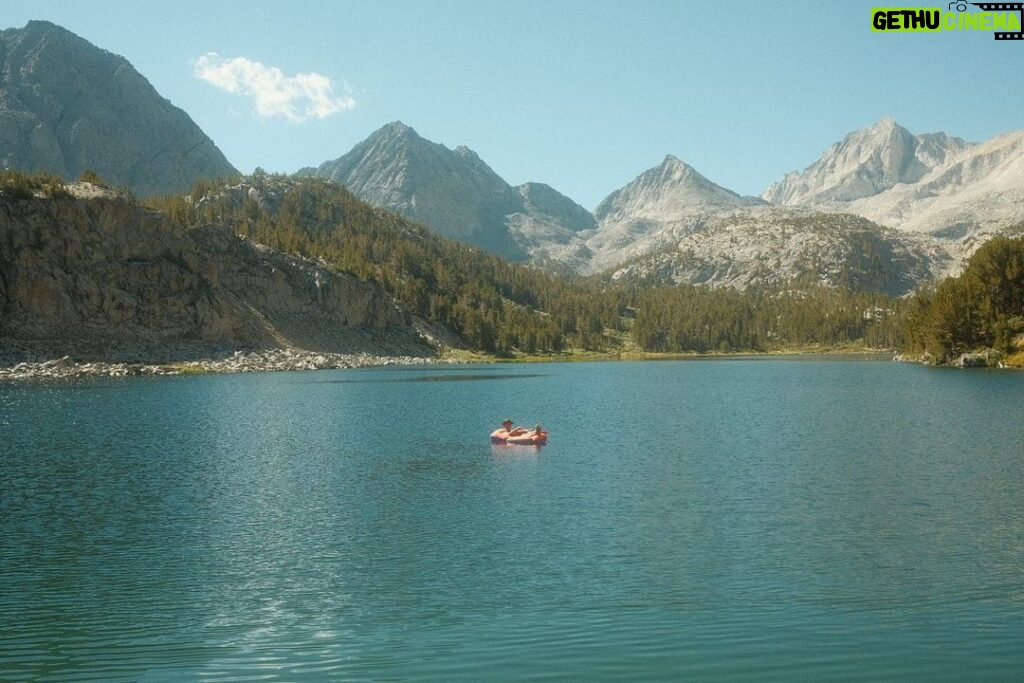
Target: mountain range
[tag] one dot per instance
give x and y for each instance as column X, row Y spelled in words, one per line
column 925, row 201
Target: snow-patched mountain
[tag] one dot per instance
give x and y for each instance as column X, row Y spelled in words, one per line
column 654, row 210
column 770, row 246
column 67, row 106
column 454, row 192
column 924, row 183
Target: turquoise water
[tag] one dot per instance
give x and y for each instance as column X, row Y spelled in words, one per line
column 730, row 520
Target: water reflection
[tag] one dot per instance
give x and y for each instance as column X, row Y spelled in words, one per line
column 507, row 451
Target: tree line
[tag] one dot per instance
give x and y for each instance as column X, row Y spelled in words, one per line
column 500, row 307
column 982, row 308
column 494, row 305
column 686, row 318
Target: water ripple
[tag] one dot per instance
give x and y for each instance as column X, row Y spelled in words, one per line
column 737, row 521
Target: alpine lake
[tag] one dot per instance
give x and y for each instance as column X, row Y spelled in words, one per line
column 812, row 519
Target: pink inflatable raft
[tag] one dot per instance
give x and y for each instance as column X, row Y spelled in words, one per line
column 520, row 436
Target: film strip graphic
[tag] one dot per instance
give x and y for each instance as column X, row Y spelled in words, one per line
column 1004, row 7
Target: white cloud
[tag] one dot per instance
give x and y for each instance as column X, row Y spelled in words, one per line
column 296, row 98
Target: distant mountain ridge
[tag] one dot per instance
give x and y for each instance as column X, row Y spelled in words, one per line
column 957, row 190
column 865, row 163
column 930, row 183
column 67, row 106
column 768, row 246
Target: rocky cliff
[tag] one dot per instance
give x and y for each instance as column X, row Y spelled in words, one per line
column 103, row 278
column 67, row 106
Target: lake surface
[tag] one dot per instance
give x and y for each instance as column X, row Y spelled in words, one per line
column 728, row 520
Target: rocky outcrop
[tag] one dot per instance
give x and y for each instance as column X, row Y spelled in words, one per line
column 771, row 246
column 985, row 358
column 67, row 106
column 106, row 279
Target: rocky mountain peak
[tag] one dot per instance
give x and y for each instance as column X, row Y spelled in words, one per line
column 862, row 164
column 38, row 30
column 393, row 139
column 67, row 106
column 473, row 161
column 884, row 131
column 667, row 191
column 455, row 192
column 674, row 169
column 932, row 182
column 885, row 124
column 396, row 130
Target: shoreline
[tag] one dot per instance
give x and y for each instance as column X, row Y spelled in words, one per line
column 293, row 360
column 817, row 352
column 278, row 360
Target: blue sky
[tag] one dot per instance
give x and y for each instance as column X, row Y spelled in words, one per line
column 582, row 95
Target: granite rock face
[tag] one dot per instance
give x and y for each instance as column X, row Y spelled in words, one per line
column 77, row 274
column 865, row 163
column 770, row 246
column 67, row 106
column 452, row 191
column 455, row 193
column 930, row 183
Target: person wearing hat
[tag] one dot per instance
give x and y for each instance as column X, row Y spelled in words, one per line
column 510, row 430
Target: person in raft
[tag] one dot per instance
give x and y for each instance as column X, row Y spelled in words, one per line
column 537, row 430
column 510, row 430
